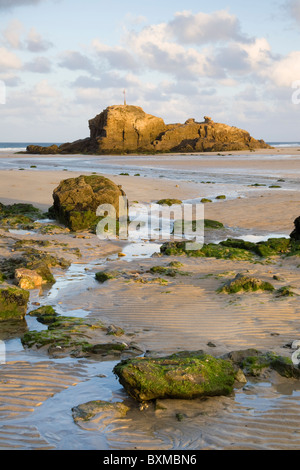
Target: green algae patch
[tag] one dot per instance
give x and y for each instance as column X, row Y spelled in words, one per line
column 210, row 250
column 13, row 303
column 103, row 276
column 255, row 363
column 236, row 249
column 35, row 260
column 169, row 202
column 271, row 247
column 185, row 375
column 71, row 336
column 167, row 271
column 245, row 284
column 285, row 291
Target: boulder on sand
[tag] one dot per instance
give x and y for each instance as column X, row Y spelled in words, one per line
column 184, row 375
column 76, row 201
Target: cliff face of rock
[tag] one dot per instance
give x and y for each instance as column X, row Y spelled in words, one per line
column 125, row 129
column 128, row 129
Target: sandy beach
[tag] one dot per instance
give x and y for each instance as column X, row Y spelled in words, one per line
column 183, row 313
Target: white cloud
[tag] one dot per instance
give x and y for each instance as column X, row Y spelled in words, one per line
column 117, row 57
column 8, row 60
column 35, row 42
column 39, row 65
column 201, row 28
column 74, row 60
column 285, row 71
column 293, row 7
column 12, row 34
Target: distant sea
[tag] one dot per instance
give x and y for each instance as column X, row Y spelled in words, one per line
column 21, row 146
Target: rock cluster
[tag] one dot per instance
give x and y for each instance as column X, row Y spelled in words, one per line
column 122, row 129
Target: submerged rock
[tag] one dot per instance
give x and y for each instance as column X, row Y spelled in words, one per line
column 89, row 410
column 76, row 201
column 185, row 375
column 122, row 129
column 13, row 303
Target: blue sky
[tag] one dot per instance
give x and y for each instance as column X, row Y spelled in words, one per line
column 63, row 61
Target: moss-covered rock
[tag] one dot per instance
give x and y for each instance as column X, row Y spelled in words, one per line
column 45, row 314
column 210, row 250
column 167, row 271
column 76, row 201
column 236, row 249
column 184, row 375
column 247, row 284
column 254, row 363
column 285, row 291
column 169, row 202
column 34, row 260
column 13, row 303
column 103, row 276
column 72, row 336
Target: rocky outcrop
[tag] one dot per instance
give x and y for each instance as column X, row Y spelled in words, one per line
column 125, row 129
column 76, row 200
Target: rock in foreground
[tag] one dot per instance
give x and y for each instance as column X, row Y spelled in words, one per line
column 128, row 129
column 76, row 200
column 13, row 303
column 182, row 376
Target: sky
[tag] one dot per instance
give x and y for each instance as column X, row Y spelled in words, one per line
column 62, row 62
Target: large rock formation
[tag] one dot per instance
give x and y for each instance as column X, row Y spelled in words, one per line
column 128, row 129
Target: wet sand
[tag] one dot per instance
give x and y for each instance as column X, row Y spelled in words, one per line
column 185, row 313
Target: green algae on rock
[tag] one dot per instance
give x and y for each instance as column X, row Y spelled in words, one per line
column 247, row 284
column 169, row 202
column 13, row 303
column 103, row 276
column 76, row 201
column 87, row 411
column 254, row 363
column 185, row 375
column 73, row 336
column 210, row 250
column 35, row 260
column 236, row 249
